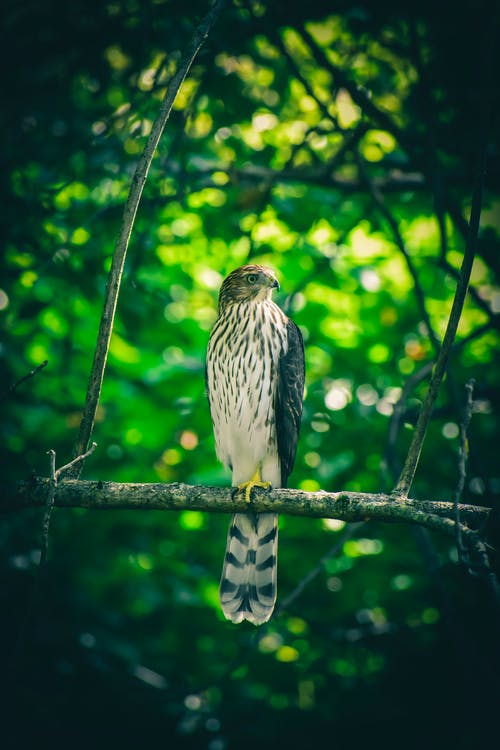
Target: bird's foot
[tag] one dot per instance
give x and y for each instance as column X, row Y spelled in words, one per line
column 255, row 481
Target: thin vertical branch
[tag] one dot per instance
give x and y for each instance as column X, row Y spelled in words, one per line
column 129, row 214
column 48, row 512
column 462, row 465
column 474, row 554
column 54, row 476
column 318, row 568
column 408, row 473
column 22, row 380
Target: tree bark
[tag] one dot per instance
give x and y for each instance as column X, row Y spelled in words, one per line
column 344, row 506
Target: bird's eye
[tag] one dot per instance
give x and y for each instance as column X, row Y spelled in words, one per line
column 252, row 278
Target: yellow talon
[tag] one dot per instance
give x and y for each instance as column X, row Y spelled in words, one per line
column 255, row 481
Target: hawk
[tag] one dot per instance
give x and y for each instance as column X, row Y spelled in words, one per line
column 255, row 384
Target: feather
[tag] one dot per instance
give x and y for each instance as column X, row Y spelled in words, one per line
column 255, row 382
column 248, row 581
column 289, row 394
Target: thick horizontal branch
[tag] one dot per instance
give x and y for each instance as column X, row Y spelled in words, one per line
column 344, row 506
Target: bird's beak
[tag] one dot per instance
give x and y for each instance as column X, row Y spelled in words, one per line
column 275, row 284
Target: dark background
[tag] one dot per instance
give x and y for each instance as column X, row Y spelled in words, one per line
column 337, row 143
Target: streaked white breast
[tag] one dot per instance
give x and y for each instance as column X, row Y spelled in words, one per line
column 242, row 371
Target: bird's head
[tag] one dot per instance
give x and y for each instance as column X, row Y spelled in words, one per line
column 250, row 283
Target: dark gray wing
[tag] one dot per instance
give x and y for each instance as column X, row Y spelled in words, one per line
column 290, row 392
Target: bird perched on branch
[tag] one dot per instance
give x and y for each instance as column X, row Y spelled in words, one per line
column 255, row 384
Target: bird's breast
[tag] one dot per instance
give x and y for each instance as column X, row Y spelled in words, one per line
column 242, row 372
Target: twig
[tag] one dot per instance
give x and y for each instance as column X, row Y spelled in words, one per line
column 490, row 255
column 276, row 39
column 129, row 214
column 462, row 464
column 494, row 318
column 34, row 600
column 411, row 382
column 48, row 511
column 318, row 568
column 474, row 554
column 378, row 199
column 397, row 415
column 407, row 475
column 16, row 385
column 49, row 506
column 17, row 655
column 64, row 469
column 477, row 333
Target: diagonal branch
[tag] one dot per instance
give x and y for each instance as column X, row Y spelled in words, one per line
column 407, row 475
column 22, row 380
column 358, row 94
column 129, row 214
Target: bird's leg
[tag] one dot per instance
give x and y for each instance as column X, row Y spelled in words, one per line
column 255, row 481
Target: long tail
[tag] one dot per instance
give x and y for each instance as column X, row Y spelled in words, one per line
column 248, row 583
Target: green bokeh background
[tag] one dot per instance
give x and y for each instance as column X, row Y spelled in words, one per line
column 268, row 156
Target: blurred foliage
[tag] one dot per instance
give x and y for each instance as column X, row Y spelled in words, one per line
column 323, row 140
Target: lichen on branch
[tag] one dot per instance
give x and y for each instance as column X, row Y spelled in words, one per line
column 344, row 506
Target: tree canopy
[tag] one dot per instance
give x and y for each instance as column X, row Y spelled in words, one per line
column 338, row 143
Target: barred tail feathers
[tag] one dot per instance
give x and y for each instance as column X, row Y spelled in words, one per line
column 248, row 583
